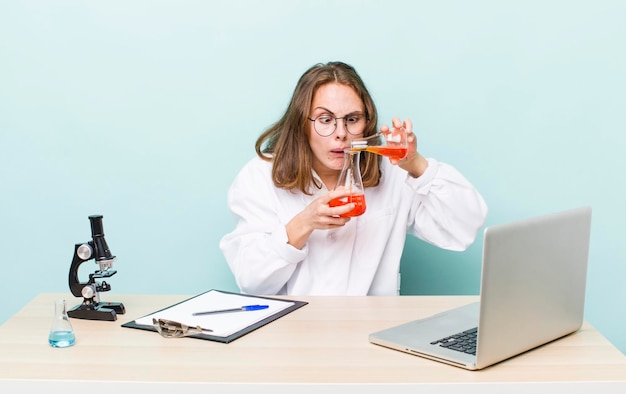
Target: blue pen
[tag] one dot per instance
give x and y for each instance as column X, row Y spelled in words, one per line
column 241, row 309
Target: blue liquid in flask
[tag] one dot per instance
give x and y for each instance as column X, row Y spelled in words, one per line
column 61, row 338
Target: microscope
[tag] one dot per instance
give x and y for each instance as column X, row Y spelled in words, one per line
column 97, row 248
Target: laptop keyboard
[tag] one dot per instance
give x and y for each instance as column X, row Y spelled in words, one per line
column 463, row 342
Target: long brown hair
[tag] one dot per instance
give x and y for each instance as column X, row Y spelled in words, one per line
column 286, row 143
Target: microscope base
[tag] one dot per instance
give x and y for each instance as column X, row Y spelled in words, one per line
column 103, row 311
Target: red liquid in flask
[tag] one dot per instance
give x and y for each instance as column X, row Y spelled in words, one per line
column 358, row 199
column 397, row 153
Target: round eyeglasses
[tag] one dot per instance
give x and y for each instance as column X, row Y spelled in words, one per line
column 174, row 329
column 326, row 124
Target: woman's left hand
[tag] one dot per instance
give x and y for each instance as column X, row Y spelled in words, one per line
column 414, row 163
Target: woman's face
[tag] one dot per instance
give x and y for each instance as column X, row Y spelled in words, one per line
column 338, row 101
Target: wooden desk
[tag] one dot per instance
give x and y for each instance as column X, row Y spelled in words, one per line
column 323, row 345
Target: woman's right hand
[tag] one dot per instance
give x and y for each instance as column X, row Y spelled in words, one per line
column 318, row 215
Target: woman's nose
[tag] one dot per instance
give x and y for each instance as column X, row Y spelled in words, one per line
column 340, row 130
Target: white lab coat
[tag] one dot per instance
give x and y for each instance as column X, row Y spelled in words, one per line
column 361, row 258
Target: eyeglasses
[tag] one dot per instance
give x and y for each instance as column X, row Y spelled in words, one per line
column 326, row 124
column 174, row 329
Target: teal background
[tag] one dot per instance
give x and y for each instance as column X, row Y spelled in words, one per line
column 144, row 111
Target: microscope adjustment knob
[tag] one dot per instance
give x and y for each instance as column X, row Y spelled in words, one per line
column 84, row 251
column 88, row 292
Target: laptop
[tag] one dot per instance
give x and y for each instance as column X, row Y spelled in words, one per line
column 532, row 292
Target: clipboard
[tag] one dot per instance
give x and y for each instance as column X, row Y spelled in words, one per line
column 231, row 337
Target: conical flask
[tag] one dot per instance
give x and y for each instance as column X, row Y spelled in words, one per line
column 61, row 332
column 392, row 143
column 350, row 178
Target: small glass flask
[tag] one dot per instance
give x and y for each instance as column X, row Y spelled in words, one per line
column 350, row 178
column 393, row 144
column 61, row 333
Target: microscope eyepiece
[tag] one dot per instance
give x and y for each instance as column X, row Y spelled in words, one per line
column 96, row 225
column 101, row 249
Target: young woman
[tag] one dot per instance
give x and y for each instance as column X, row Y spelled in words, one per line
column 288, row 240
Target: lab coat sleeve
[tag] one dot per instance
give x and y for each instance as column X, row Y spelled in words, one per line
column 257, row 251
column 448, row 211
